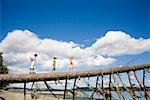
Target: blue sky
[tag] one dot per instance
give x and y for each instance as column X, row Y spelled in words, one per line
column 82, row 21
column 71, row 19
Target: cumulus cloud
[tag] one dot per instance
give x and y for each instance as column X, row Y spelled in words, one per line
column 19, row 46
column 117, row 43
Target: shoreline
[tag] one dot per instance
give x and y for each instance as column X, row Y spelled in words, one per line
column 8, row 95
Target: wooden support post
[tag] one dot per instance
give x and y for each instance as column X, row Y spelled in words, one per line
column 96, row 83
column 65, row 89
column 74, row 88
column 142, row 88
column 102, row 82
column 95, row 86
column 144, row 77
column 116, row 85
column 110, row 86
column 48, row 87
column 32, row 86
column 134, row 95
column 144, row 82
column 138, row 80
column 129, row 80
column 125, row 87
column 103, row 87
column 24, row 91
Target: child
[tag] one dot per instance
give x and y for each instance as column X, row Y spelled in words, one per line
column 71, row 63
column 54, row 64
column 33, row 62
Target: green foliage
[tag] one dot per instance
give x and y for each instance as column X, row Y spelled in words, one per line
column 3, row 70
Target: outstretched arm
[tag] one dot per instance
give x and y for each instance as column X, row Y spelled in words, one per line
column 31, row 59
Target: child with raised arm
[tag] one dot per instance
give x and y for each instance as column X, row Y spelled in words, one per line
column 33, row 62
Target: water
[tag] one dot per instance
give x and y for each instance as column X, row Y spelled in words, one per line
column 86, row 95
column 97, row 96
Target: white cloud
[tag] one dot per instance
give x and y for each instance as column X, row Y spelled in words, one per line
column 19, row 46
column 116, row 43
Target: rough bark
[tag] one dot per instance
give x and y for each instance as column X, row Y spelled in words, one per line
column 21, row 78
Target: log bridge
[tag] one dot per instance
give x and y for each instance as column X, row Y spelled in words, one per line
column 114, row 79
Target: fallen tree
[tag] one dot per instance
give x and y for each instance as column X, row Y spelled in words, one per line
column 24, row 78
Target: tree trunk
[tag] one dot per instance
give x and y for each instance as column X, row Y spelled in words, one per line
column 21, row 78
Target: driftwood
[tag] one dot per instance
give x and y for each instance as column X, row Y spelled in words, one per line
column 24, row 78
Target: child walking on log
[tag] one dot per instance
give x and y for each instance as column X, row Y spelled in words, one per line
column 54, row 63
column 33, row 62
column 54, row 68
column 71, row 67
